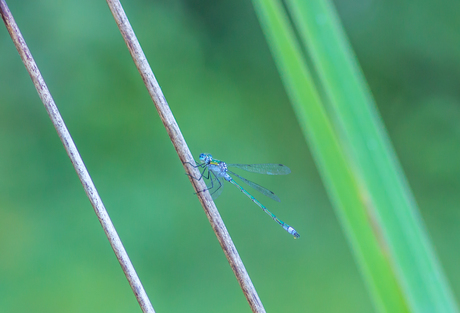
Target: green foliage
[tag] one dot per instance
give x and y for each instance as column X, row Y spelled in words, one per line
column 218, row 75
column 356, row 160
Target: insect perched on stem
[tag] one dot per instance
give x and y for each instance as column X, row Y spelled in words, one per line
column 215, row 170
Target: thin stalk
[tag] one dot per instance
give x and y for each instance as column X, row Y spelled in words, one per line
column 176, row 138
column 185, row 156
column 76, row 159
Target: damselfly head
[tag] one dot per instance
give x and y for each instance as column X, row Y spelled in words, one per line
column 206, row 157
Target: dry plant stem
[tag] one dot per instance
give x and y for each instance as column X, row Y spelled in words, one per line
column 185, row 155
column 77, row 162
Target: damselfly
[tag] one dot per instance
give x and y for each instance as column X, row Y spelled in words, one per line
column 218, row 170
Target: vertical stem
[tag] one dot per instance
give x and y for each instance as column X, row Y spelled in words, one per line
column 185, row 156
column 76, row 159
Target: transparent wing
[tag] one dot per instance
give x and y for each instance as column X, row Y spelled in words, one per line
column 257, row 187
column 268, row 168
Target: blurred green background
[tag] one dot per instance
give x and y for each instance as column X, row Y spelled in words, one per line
column 212, row 61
